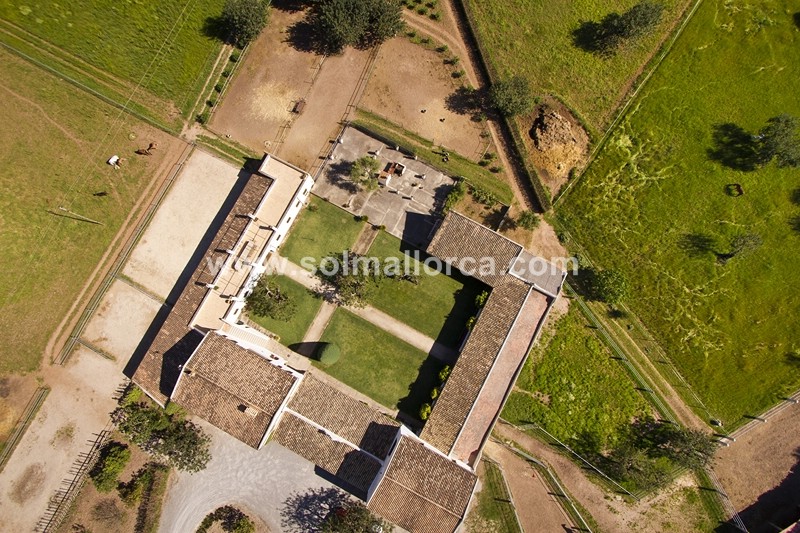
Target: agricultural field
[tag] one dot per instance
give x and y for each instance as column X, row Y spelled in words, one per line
column 377, row 364
column 571, row 386
column 438, row 306
column 675, row 193
column 55, row 142
column 168, row 47
column 291, row 331
column 535, row 39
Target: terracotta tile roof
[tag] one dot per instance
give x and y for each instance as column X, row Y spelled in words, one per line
column 472, row 368
column 422, row 491
column 459, row 237
column 339, row 458
column 233, row 388
column 160, row 366
column 345, row 416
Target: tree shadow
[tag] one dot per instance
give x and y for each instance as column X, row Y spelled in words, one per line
column 215, row 28
column 419, row 392
column 306, row 512
column 467, row 101
column 697, row 244
column 796, row 18
column 290, row 6
column 592, row 37
column 794, row 223
column 338, row 175
column 303, row 37
column 795, row 196
column 735, row 148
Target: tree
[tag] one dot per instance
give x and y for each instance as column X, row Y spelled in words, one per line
column 512, row 96
column 329, row 354
column 528, row 220
column 113, row 458
column 363, row 172
column 353, row 275
column 639, row 20
column 268, row 299
column 179, row 442
column 341, row 23
column 615, row 29
column 353, row 517
column 243, row 20
column 779, row 140
column 741, row 245
column 610, row 286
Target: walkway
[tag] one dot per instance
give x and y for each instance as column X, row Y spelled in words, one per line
column 378, row 318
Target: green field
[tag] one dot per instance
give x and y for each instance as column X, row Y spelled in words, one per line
column 322, row 229
column 292, row 331
column 654, row 205
column 534, row 39
column 438, row 306
column 572, row 387
column 54, row 150
column 383, row 367
column 494, row 502
column 162, row 45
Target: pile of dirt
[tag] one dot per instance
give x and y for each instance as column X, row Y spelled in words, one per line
column 559, row 144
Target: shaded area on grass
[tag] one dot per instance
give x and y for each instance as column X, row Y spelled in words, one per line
column 735, row 147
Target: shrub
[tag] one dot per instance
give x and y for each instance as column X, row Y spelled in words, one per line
column 444, row 373
column 454, row 196
column 480, row 300
column 422, row 10
column 610, row 286
column 218, row 87
column 528, row 220
column 495, row 169
column 107, row 513
column 313, row 208
column 442, row 49
column 435, row 15
column 329, row 354
column 483, row 196
column 113, row 458
column 226, row 73
column 434, row 393
column 231, row 519
column 235, row 55
column 132, row 491
column 425, row 411
column 203, row 117
column 458, row 74
column 471, row 323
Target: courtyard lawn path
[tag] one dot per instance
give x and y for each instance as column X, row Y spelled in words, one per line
column 368, row 313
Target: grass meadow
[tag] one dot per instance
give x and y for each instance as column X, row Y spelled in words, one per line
column 164, row 45
column 54, row 149
column 383, row 367
column 438, row 306
column 656, row 205
column 534, row 39
column 571, row 386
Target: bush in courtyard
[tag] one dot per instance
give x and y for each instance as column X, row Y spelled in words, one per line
column 528, row 220
column 113, row 458
column 329, row 354
column 480, row 300
column 444, row 373
column 231, row 519
column 425, row 411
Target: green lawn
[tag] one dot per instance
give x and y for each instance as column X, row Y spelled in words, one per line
column 52, row 135
column 439, row 306
column 163, row 45
column 572, row 387
column 654, row 199
column 534, row 39
column 292, row 331
column 375, row 363
column 321, row 229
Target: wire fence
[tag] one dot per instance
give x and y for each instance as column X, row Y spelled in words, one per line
column 23, row 423
column 510, row 521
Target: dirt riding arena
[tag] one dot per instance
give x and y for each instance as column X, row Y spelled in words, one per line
column 408, row 79
column 761, row 470
column 272, row 78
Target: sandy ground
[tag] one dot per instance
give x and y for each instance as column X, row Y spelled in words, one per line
column 15, row 393
column 180, row 222
column 761, row 460
column 334, row 88
column 274, row 76
column 536, row 508
column 408, row 78
column 259, row 480
column 121, row 320
column 81, row 399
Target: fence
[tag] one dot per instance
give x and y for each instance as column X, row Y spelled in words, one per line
column 61, row 501
column 25, row 420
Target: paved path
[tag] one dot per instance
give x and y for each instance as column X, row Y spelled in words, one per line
column 320, row 323
column 370, row 314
